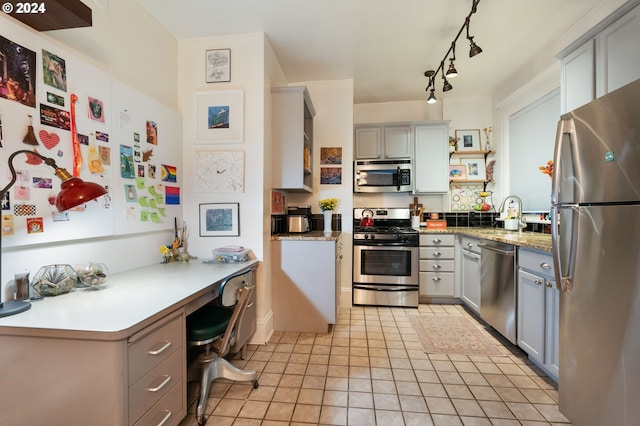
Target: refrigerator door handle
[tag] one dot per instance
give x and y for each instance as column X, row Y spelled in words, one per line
column 563, row 256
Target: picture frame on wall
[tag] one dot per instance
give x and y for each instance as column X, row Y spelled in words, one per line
column 220, row 116
column 457, row 172
column 218, row 66
column 475, row 168
column 220, row 220
column 468, row 140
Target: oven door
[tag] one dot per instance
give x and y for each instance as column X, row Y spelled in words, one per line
column 381, row 264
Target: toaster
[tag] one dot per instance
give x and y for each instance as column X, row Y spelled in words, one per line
column 297, row 223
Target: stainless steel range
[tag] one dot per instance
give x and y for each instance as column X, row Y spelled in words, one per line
column 385, row 258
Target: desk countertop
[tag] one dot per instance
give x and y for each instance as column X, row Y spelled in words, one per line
column 124, row 303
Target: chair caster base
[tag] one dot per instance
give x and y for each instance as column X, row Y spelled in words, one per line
column 202, row 421
column 255, row 384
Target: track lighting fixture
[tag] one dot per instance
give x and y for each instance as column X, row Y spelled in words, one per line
column 451, row 72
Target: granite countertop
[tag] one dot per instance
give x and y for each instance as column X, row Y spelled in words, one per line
column 535, row 240
column 308, row 236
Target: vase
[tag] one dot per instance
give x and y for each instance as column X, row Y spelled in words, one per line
column 328, row 214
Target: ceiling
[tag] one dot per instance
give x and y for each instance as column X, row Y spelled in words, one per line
column 384, row 46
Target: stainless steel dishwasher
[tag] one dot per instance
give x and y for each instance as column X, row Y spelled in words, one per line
column 498, row 287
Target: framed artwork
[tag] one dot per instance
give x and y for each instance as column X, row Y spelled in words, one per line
column 330, row 156
column 330, row 175
column 278, row 204
column 468, row 140
column 475, row 168
column 220, row 116
column 219, row 220
column 457, row 172
column 218, row 65
column 218, row 171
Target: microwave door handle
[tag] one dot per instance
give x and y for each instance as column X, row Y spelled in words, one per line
column 398, row 179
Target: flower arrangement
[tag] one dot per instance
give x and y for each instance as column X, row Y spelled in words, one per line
column 547, row 169
column 172, row 252
column 453, row 143
column 328, row 204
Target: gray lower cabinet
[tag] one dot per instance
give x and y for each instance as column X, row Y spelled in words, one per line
column 437, row 265
column 538, row 309
column 470, row 276
column 304, row 277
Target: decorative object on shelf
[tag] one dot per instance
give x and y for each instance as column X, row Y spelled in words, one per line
column 451, row 72
column 220, row 220
column 490, row 166
column 547, row 169
column 475, row 168
column 327, row 206
column 220, row 116
column 457, row 172
column 453, row 144
column 469, row 140
column 487, row 134
column 230, row 254
column 464, row 197
column 482, row 204
column 54, row 280
column 218, row 65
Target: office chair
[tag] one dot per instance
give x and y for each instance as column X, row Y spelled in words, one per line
column 215, row 326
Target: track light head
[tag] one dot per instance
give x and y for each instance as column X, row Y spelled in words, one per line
column 451, row 72
column 447, row 86
column 474, row 48
column 432, row 97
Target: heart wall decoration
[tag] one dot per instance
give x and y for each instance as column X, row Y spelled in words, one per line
column 49, row 140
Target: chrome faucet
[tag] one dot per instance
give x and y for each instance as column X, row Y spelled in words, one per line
column 521, row 223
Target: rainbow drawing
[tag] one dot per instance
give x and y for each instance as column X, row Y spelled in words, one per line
column 169, row 173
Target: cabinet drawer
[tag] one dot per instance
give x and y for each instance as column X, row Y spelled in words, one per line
column 540, row 263
column 437, row 265
column 155, row 384
column 470, row 244
column 437, row 239
column 437, row 252
column 167, row 411
column 437, row 284
column 155, row 347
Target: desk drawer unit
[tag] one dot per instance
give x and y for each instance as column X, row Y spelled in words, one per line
column 157, row 365
column 437, row 265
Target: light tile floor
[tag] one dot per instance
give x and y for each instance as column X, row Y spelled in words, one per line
column 371, row 369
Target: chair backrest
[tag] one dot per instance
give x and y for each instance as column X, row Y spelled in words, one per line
column 242, row 290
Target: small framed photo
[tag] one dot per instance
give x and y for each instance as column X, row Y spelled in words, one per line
column 468, row 140
column 218, row 66
column 219, row 116
column 475, row 168
column 457, row 172
column 219, row 220
column 278, row 203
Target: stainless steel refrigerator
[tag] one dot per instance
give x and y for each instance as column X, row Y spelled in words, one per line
column 596, row 248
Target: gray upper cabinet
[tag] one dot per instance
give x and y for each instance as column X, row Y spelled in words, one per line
column 292, row 134
column 374, row 141
column 431, row 165
column 606, row 59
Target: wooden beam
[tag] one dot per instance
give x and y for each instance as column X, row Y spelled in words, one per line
column 58, row 15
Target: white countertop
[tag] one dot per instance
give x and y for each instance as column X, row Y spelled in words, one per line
column 125, row 300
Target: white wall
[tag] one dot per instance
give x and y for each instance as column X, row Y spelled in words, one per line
column 247, row 75
column 121, row 50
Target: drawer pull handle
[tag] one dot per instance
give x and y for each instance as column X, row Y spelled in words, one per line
column 548, row 284
column 538, row 282
column 469, row 245
column 165, row 418
column 545, row 265
column 437, row 253
column 249, row 305
column 436, row 267
column 161, row 349
column 437, row 240
column 166, row 380
column 436, row 279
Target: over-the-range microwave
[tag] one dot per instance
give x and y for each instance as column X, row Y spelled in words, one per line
column 382, row 175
